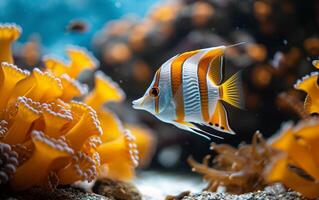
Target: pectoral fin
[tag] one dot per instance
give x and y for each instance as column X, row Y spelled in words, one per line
column 219, row 119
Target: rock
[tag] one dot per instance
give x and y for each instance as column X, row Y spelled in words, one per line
column 178, row 197
column 273, row 192
column 65, row 193
column 116, row 190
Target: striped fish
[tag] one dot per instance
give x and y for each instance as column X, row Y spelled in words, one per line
column 188, row 91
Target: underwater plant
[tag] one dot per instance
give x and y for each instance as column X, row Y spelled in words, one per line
column 48, row 137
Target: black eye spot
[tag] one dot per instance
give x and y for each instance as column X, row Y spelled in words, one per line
column 154, row 92
column 222, row 128
column 217, row 125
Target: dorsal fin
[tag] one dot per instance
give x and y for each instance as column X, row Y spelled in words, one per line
column 217, row 70
column 217, row 65
column 212, row 63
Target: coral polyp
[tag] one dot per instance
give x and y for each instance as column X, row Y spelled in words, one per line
column 9, row 162
column 46, row 133
column 8, row 34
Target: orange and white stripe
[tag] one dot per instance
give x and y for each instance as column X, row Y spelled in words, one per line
column 194, row 95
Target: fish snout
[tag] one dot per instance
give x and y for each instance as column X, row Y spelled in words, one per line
column 138, row 103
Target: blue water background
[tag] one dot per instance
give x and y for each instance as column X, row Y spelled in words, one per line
column 49, row 18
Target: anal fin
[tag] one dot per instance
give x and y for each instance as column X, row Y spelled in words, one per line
column 219, row 119
column 194, row 129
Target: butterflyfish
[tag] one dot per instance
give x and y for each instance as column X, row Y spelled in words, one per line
column 189, row 91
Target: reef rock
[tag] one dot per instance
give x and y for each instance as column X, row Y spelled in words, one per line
column 116, row 190
column 273, row 192
column 66, row 193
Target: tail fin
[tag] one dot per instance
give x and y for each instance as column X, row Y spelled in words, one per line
column 231, row 91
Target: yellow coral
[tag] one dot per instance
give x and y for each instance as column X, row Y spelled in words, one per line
column 146, row 142
column 297, row 165
column 8, row 34
column 62, row 137
column 309, row 84
column 55, row 66
column 46, row 152
column 110, row 124
column 81, row 60
column 105, row 91
column 9, row 76
column 120, row 167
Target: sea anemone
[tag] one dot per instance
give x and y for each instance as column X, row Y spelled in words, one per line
column 238, row 170
column 45, row 133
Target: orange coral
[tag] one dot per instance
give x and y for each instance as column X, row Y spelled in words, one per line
column 105, row 91
column 120, row 167
column 8, row 162
column 309, row 84
column 110, row 124
column 297, row 166
column 146, row 142
column 47, row 151
column 8, row 34
column 80, row 60
column 53, row 135
column 55, row 65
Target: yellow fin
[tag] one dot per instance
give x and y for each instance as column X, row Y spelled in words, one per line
column 230, row 91
column 219, row 120
column 217, row 70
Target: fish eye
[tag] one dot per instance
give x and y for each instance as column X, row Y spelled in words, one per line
column 154, row 92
